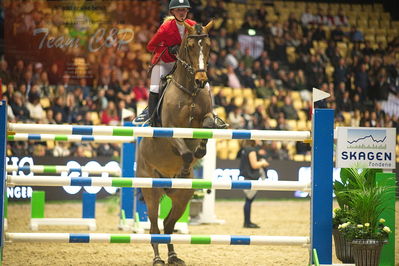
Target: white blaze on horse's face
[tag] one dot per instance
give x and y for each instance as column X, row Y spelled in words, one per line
column 201, row 56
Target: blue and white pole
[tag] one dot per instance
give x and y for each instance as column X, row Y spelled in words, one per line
column 322, row 180
column 3, row 136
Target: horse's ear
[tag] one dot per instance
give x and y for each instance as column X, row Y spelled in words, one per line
column 189, row 28
column 209, row 26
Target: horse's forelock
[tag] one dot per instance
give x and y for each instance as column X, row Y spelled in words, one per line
column 198, row 28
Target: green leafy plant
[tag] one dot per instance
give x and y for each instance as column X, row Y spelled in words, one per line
column 363, row 209
column 353, row 178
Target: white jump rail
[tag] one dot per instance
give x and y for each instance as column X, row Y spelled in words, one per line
column 143, row 182
column 118, row 131
column 158, row 238
column 69, row 138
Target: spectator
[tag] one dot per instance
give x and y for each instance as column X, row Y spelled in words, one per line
column 247, row 58
column 337, row 34
column 236, row 119
column 273, row 109
column 282, row 122
column 140, row 92
column 259, row 117
column 341, row 19
column 248, row 118
column 54, row 75
column 307, row 17
column 355, row 35
column 319, row 34
column 5, row 74
column 263, row 90
column 49, row 119
column 233, row 80
column 18, row 107
column 248, row 80
column 367, row 50
column 61, row 149
column 110, row 115
column 288, row 109
column 345, row 103
column 303, row 52
column 36, row 111
column 340, row 72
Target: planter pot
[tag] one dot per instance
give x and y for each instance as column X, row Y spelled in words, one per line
column 343, row 249
column 366, row 252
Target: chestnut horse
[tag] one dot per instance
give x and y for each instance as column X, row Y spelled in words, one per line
column 186, row 104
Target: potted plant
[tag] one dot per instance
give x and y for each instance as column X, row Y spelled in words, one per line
column 351, row 179
column 364, row 229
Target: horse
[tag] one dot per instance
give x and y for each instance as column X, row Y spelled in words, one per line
column 186, row 104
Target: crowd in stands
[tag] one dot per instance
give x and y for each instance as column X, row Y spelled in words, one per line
column 318, row 50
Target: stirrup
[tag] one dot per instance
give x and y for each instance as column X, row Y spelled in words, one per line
column 219, row 123
column 141, row 118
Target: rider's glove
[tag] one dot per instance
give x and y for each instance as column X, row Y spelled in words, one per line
column 174, row 49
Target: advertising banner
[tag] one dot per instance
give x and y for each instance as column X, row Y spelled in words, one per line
column 225, row 170
column 366, row 147
column 74, row 40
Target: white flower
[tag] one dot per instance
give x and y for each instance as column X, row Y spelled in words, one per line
column 382, row 220
column 344, row 225
column 359, row 226
column 339, row 226
column 366, row 224
column 386, row 229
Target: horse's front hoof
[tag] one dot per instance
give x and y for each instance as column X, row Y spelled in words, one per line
column 174, row 260
column 158, row 262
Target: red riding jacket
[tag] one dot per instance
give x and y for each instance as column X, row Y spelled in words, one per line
column 166, row 36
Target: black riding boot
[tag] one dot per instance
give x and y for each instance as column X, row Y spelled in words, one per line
column 152, row 106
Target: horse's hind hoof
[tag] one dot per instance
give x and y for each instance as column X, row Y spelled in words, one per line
column 174, row 260
column 158, row 262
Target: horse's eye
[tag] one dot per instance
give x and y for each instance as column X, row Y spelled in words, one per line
column 190, row 43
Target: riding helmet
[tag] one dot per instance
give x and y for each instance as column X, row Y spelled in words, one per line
column 179, row 4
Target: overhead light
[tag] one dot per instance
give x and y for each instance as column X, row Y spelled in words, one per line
column 251, row 32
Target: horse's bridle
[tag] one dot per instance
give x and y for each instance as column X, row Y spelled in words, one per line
column 188, row 66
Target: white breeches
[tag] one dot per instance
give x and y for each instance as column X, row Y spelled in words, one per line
column 157, row 72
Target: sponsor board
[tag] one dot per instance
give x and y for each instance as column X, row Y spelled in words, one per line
column 364, row 147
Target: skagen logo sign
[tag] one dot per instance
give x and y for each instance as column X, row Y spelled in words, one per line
column 102, row 37
column 369, row 147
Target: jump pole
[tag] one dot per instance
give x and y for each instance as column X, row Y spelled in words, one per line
column 3, row 190
column 159, row 238
column 322, row 188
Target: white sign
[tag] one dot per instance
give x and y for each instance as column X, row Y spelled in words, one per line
column 365, row 147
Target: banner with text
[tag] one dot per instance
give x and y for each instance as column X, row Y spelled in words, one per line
column 365, row 147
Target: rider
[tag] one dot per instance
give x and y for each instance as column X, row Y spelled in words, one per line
column 165, row 45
